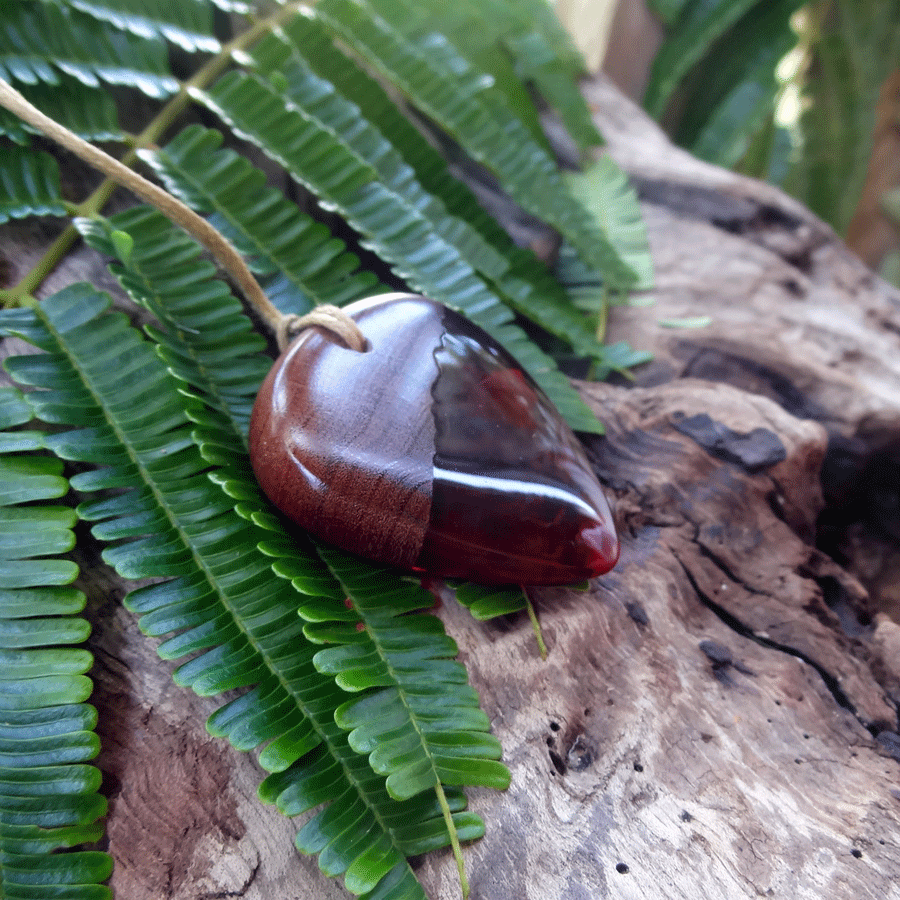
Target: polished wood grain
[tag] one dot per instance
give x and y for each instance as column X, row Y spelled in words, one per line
column 343, row 442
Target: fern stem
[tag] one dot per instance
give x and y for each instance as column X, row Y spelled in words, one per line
column 535, row 625
column 454, row 839
column 603, row 315
column 45, row 265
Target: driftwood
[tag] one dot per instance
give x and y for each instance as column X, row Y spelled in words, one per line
column 717, row 717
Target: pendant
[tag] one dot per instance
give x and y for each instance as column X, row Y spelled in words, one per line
column 431, row 451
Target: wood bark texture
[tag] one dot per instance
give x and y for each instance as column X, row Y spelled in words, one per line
column 717, row 717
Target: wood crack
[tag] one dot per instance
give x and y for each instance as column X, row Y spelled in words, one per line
column 740, row 628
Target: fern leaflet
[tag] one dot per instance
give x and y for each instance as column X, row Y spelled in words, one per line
column 40, row 42
column 29, row 185
column 486, row 603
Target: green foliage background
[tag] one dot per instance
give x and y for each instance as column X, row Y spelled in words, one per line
column 349, row 691
column 715, row 86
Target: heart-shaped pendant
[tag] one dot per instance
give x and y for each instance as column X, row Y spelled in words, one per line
column 431, row 451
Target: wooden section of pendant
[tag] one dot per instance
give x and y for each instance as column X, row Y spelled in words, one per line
column 343, row 442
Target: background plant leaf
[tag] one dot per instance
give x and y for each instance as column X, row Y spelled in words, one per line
column 699, row 24
column 854, row 48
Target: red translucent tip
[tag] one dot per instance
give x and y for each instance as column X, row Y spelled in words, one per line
column 602, row 549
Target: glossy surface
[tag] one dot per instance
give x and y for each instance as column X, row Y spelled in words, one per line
column 514, row 499
column 343, row 442
column 431, row 451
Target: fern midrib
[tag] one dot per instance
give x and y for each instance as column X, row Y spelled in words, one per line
column 385, row 657
column 414, row 719
column 438, row 787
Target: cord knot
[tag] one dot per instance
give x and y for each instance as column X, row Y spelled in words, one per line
column 331, row 318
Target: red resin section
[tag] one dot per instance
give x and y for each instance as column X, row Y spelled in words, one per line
column 514, row 499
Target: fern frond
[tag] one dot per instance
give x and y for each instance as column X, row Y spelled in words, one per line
column 369, row 117
column 312, row 40
column 403, row 663
column 49, row 796
column 698, row 25
column 259, row 708
column 498, row 141
column 223, row 602
column 186, row 23
column 348, row 183
column 397, row 231
column 298, row 261
column 40, row 42
column 516, row 44
column 318, row 100
column 605, row 190
column 205, row 328
column 29, row 185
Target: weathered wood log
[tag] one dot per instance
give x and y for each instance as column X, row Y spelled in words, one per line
column 715, row 717
column 699, row 727
column 676, row 743
column 793, row 316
